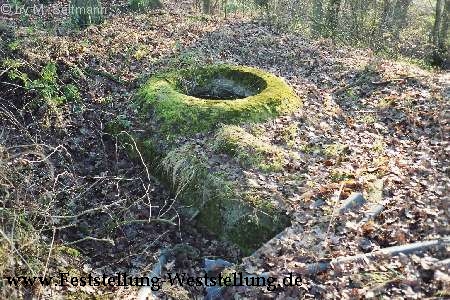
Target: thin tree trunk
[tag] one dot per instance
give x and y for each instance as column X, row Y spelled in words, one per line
column 207, row 6
column 445, row 24
column 332, row 17
column 443, row 40
column 437, row 23
column 317, row 16
column 440, row 32
column 384, row 19
column 401, row 13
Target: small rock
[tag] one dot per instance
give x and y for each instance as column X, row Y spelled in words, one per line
column 354, row 201
column 366, row 245
column 318, row 203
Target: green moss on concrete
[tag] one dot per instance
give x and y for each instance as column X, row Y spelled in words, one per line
column 171, row 113
column 138, row 148
column 217, row 205
column 249, row 149
column 177, row 112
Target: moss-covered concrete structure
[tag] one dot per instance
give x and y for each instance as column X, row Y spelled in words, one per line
column 198, row 99
column 190, row 115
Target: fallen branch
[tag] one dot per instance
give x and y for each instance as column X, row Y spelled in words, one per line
column 395, row 79
column 94, row 72
column 442, row 263
column 5, row 71
column 340, row 90
column 148, row 221
column 390, row 252
column 91, row 238
column 333, row 215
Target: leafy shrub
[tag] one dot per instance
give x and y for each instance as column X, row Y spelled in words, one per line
column 71, row 93
column 46, row 84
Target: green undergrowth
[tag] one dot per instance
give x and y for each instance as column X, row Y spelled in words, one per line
column 84, row 13
column 141, row 5
column 46, row 83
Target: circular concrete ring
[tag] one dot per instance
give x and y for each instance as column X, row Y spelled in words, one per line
column 197, row 99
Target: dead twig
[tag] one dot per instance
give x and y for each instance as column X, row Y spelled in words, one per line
column 387, row 81
column 91, row 238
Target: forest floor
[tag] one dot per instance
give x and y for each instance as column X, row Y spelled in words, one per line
column 368, row 125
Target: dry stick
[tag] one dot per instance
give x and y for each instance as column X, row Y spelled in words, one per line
column 319, row 267
column 50, row 251
column 363, row 77
column 5, row 71
column 442, row 263
column 90, row 238
column 397, row 79
column 179, row 190
column 147, row 172
column 87, row 211
column 6, row 114
column 165, row 221
column 14, row 85
column 339, row 90
column 333, row 215
column 44, row 159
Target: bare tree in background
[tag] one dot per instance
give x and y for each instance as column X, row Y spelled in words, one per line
column 400, row 13
column 207, row 6
column 440, row 32
column 317, row 17
column 332, row 20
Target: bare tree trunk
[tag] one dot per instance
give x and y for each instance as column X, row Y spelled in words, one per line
column 384, row 19
column 444, row 46
column 317, row 25
column 333, row 9
column 207, row 6
column 225, row 7
column 437, row 22
column 445, row 24
column 440, row 32
column 401, row 13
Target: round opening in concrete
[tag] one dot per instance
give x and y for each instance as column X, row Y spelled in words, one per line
column 229, row 85
column 197, row 99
